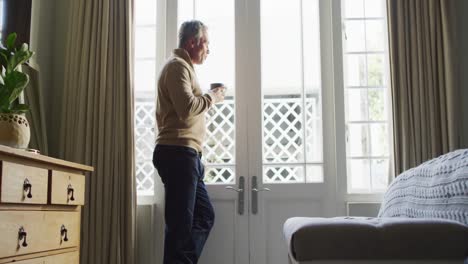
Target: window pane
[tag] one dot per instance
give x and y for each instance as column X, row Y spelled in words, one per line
column 355, row 36
column 219, row 17
column 312, row 84
column 145, row 12
column 356, row 104
column 277, row 79
column 353, row 8
column 145, row 177
column 185, row 11
column 145, row 92
column 377, row 104
column 375, row 69
column 219, row 149
column 374, row 8
column 359, row 174
column 356, row 70
column 375, row 35
column 311, row 56
column 314, row 140
column 379, row 173
column 283, row 174
column 288, row 91
column 379, row 144
column 358, row 140
column 145, row 76
column 145, row 42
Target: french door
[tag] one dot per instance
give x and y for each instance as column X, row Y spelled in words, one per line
column 266, row 154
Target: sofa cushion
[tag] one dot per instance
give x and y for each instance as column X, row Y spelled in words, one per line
column 375, row 238
column 438, row 188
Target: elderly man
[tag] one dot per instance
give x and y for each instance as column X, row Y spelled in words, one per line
column 180, row 115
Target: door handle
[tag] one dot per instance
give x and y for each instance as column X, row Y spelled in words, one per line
column 255, row 192
column 261, row 190
column 240, row 195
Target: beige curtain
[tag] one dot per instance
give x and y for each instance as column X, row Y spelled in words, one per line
column 33, row 95
column 97, row 124
column 424, row 80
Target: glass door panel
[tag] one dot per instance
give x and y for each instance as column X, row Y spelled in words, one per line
column 219, row 150
column 291, row 88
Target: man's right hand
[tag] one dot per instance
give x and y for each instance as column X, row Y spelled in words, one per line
column 217, row 94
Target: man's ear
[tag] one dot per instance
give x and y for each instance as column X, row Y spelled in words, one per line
column 192, row 42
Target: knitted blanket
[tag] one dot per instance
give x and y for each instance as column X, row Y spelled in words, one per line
column 438, row 188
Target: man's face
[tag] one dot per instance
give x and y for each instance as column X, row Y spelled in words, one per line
column 199, row 51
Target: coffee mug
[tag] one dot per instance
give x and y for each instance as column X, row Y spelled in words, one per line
column 216, row 85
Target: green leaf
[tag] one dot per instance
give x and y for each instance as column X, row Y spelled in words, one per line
column 19, row 108
column 24, row 47
column 19, row 58
column 4, row 57
column 10, row 41
column 14, row 85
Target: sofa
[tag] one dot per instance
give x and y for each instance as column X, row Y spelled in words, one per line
column 423, row 219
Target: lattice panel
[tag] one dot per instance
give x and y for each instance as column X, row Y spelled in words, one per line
column 145, row 114
column 282, row 132
column 283, row 141
column 219, row 148
column 219, row 175
column 283, row 174
column 314, row 138
column 144, row 145
column 145, row 177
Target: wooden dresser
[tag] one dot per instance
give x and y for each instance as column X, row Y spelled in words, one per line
column 40, row 208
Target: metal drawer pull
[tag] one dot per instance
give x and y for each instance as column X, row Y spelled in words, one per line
column 70, row 190
column 22, row 234
column 63, row 232
column 27, row 187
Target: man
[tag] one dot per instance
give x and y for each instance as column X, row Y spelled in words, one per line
column 180, row 115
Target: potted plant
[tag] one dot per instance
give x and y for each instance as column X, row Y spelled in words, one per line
column 14, row 128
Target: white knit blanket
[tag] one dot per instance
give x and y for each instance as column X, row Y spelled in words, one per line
column 438, row 188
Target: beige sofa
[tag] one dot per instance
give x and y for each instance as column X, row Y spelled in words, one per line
column 423, row 219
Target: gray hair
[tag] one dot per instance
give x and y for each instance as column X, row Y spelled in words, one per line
column 192, row 28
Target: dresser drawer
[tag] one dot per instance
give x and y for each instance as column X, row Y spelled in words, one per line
column 30, row 261
column 66, row 258
column 25, row 232
column 63, row 229
column 67, row 188
column 30, row 224
column 23, row 184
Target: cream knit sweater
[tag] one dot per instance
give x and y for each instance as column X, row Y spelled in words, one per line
column 181, row 105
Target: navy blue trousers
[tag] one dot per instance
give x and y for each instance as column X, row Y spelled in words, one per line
column 189, row 213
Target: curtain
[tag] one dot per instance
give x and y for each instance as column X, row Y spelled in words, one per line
column 97, row 125
column 33, row 95
column 424, row 80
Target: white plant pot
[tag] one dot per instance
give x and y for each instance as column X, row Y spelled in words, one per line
column 14, row 130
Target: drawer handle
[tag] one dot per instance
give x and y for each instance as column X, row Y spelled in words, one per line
column 27, row 187
column 70, row 190
column 22, row 234
column 63, row 232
